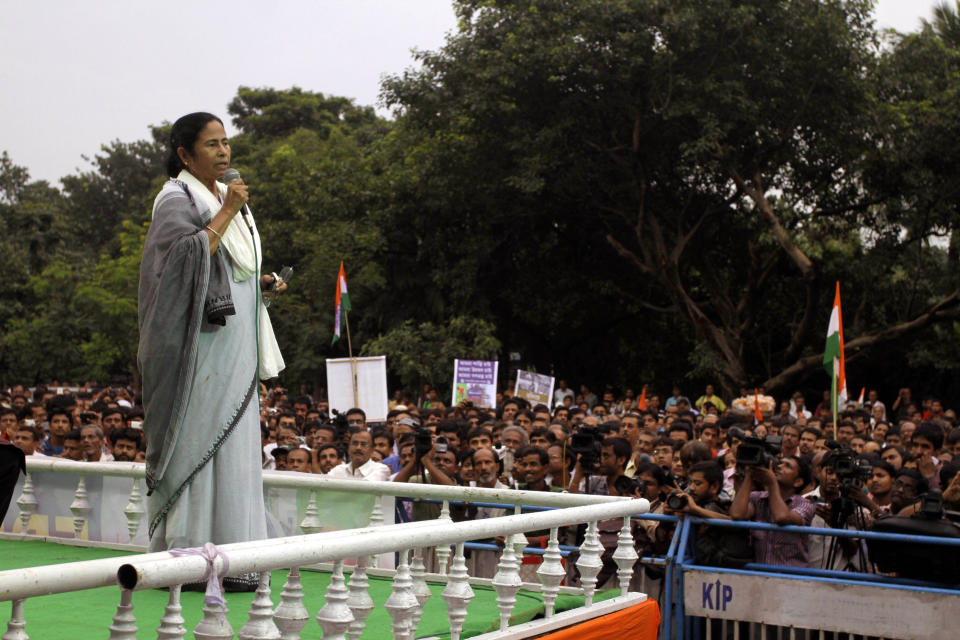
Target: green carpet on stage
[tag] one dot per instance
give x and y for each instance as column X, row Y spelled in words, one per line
column 83, row 615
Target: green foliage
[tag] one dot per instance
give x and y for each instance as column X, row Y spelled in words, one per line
column 623, row 191
column 424, row 353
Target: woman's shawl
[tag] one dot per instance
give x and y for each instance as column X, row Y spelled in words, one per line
column 180, row 282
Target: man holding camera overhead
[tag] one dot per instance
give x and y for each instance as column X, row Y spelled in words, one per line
column 776, row 501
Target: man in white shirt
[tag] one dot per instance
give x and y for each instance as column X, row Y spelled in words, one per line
column 360, row 466
column 562, row 391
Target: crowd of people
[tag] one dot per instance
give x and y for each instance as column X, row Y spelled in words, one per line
column 701, row 457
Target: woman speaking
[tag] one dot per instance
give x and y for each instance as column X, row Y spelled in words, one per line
column 205, row 341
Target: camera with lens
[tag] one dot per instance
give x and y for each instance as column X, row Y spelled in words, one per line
column 754, row 452
column 422, row 442
column 677, row 501
column 339, row 420
column 440, row 444
column 847, row 466
column 627, row 486
column 585, row 443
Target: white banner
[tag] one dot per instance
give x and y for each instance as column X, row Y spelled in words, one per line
column 371, row 386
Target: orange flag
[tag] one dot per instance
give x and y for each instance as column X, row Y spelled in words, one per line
column 757, row 414
column 642, row 402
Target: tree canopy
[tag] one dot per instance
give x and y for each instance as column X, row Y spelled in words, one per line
column 621, row 191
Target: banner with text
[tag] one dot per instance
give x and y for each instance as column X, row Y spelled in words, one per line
column 476, row 381
column 535, row 388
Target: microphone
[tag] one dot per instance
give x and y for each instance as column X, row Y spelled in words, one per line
column 229, row 176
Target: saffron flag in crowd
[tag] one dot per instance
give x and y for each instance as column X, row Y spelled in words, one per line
column 757, row 414
column 642, row 403
column 343, row 303
column 833, row 360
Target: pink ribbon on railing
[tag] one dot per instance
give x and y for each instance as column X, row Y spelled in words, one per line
column 209, row 552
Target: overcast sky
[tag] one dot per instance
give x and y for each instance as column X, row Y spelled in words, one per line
column 76, row 75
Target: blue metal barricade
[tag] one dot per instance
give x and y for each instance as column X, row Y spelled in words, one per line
column 769, row 601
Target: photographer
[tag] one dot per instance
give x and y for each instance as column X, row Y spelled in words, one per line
column 613, row 456
column 842, row 505
column 422, row 467
column 776, row 501
column 704, row 481
column 612, row 453
column 715, row 546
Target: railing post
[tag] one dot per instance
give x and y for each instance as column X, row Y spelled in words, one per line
column 260, row 625
column 134, row 510
column 171, row 624
column 27, row 502
column 80, row 507
column 421, row 590
column 401, row 603
column 666, row 616
column 551, row 572
column 680, row 622
column 518, row 540
column 290, row 615
column 124, row 625
column 590, row 562
column 457, row 593
column 443, row 550
column 359, row 600
column 625, row 556
column 16, row 627
column 506, row 583
column 376, row 520
column 311, row 516
column 214, row 624
column 335, row 616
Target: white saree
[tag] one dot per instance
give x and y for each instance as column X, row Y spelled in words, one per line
column 200, row 382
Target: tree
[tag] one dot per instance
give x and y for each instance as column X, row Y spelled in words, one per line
column 315, row 188
column 712, row 153
column 424, row 353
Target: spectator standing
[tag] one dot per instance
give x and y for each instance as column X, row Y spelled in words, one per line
column 778, row 503
column 360, row 466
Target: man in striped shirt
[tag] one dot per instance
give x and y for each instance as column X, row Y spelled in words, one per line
column 776, row 501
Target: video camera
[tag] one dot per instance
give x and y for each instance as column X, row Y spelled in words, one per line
column 847, row 466
column 422, row 442
column 677, row 501
column 339, row 420
column 585, row 443
column 754, row 452
column 627, row 486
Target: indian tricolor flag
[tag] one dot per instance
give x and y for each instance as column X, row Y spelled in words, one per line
column 833, row 360
column 343, row 303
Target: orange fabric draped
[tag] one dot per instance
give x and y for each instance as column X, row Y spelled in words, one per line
column 639, row 622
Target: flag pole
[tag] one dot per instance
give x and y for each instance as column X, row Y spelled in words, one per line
column 353, row 361
column 833, row 394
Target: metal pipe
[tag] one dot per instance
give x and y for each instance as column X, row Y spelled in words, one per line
column 136, row 574
column 820, row 531
column 90, row 574
column 297, row 480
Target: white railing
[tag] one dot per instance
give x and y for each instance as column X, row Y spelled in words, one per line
column 133, row 509
column 347, row 605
